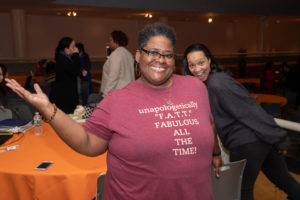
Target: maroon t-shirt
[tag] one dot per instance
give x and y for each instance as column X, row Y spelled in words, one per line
column 160, row 141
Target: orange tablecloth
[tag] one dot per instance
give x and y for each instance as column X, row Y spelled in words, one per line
column 256, row 81
column 72, row 176
column 269, row 98
column 22, row 78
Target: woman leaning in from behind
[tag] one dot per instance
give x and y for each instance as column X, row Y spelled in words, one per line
column 157, row 130
column 245, row 129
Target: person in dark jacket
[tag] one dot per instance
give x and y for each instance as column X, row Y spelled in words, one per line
column 244, row 128
column 64, row 91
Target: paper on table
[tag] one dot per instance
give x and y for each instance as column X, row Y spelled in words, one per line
column 15, row 126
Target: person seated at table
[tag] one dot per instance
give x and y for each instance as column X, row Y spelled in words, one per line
column 41, row 68
column 5, row 113
column 269, row 78
column 50, row 73
column 244, row 128
column 157, row 130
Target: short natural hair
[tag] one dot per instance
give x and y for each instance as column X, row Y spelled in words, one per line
column 120, row 38
column 155, row 29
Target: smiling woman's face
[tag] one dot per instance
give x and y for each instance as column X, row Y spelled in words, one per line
column 199, row 64
column 156, row 71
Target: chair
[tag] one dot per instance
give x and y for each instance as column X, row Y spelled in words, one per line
column 295, row 138
column 228, row 186
column 100, row 186
column 22, row 110
column 94, row 99
column 7, row 114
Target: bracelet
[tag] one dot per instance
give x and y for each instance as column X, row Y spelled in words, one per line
column 216, row 154
column 53, row 114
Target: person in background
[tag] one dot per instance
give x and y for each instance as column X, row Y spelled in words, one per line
column 118, row 70
column 4, row 112
column 64, row 91
column 269, row 78
column 41, row 68
column 242, row 67
column 86, row 81
column 244, row 128
column 50, row 73
column 156, row 131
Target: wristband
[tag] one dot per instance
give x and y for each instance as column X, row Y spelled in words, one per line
column 53, row 114
column 216, row 154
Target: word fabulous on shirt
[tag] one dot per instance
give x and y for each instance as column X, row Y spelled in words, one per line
column 178, row 119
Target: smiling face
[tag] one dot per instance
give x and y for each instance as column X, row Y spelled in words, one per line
column 199, row 64
column 156, row 71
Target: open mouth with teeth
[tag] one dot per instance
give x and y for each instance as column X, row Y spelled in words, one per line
column 158, row 69
column 200, row 74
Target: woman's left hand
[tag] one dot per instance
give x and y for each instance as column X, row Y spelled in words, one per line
column 39, row 99
column 217, row 163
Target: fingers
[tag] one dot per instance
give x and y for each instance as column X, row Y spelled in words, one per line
column 38, row 89
column 13, row 84
column 217, row 172
column 17, row 88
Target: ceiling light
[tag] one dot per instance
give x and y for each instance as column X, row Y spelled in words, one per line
column 72, row 13
column 148, row 15
column 210, row 20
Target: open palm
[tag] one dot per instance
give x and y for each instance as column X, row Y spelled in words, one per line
column 38, row 99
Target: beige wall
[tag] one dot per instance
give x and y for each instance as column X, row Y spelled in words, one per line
column 6, row 44
column 43, row 33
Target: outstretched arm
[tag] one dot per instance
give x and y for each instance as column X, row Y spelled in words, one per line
column 71, row 132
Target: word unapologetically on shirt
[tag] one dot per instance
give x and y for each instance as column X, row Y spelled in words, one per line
column 163, row 108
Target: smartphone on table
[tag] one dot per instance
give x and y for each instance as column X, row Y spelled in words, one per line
column 44, row 165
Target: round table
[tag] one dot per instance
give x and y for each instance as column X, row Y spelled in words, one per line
column 71, row 176
column 269, row 98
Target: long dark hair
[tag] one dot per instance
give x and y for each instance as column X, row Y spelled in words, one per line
column 214, row 66
column 3, row 88
column 62, row 44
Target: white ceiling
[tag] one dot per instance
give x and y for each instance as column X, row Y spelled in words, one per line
column 177, row 10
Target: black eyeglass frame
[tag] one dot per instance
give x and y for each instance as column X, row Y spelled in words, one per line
column 157, row 55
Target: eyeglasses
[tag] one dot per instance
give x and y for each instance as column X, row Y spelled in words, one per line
column 156, row 55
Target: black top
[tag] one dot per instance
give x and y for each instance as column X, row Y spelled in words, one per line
column 64, row 92
column 238, row 118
